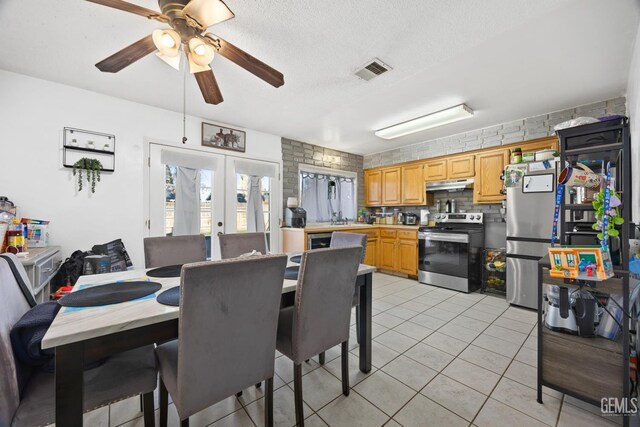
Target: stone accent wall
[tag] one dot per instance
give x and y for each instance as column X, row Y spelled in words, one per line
column 506, row 133
column 296, row 152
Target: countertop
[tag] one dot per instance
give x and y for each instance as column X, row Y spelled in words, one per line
column 321, row 228
column 36, row 254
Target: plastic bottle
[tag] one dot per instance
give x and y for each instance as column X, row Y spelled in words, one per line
column 438, row 206
column 453, row 205
column 447, row 206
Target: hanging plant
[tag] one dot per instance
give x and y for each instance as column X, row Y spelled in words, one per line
column 613, row 212
column 91, row 168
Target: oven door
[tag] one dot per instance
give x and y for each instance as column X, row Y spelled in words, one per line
column 444, row 253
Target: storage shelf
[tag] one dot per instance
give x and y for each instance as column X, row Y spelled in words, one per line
column 599, row 343
column 88, row 150
column 579, row 206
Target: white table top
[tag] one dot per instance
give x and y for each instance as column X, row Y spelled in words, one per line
column 79, row 324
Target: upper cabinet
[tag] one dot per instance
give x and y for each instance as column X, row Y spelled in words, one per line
column 391, row 186
column 435, row 170
column 373, row 187
column 461, row 167
column 487, row 187
column 413, row 189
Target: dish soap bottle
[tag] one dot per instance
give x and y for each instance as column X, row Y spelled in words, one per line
column 447, row 206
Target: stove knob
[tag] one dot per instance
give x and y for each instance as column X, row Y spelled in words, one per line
column 478, row 217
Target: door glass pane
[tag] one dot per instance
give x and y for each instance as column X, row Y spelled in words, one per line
column 243, row 193
column 205, row 202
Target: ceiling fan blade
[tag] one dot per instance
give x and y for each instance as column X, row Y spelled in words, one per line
column 127, row 56
column 207, row 12
column 209, row 87
column 133, row 8
column 246, row 61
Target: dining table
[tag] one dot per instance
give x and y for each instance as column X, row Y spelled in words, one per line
column 84, row 335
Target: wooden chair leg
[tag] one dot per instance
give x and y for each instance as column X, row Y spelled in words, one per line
column 297, row 391
column 345, row 367
column 149, row 416
column 164, row 404
column 268, row 402
column 141, row 403
column 321, row 358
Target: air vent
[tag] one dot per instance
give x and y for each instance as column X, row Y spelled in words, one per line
column 372, row 69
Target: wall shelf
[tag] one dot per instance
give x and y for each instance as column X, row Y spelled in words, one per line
column 79, row 143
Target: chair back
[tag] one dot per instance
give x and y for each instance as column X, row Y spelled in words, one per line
column 324, row 294
column 171, row 250
column 340, row 239
column 12, row 306
column 227, row 327
column 235, row 244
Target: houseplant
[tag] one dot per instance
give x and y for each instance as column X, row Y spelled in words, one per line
column 613, row 212
column 91, row 168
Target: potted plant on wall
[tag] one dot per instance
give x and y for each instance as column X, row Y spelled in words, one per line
column 91, row 168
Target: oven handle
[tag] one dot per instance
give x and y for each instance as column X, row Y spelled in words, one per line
column 444, row 237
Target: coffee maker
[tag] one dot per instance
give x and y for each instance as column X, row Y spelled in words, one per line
column 294, row 216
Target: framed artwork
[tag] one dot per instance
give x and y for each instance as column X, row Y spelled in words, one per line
column 218, row 136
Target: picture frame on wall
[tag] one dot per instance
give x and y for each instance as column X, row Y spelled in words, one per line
column 218, row 136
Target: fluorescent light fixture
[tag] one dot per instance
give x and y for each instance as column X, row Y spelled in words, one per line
column 439, row 118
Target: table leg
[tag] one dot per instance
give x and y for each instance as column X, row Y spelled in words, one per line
column 69, row 384
column 364, row 320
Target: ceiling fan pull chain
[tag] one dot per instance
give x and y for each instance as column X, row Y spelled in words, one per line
column 184, row 105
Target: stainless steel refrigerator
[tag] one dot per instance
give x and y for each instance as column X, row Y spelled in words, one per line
column 530, row 206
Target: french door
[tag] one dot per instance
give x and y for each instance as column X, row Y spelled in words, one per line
column 227, row 195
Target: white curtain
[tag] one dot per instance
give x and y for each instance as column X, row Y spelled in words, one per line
column 255, row 217
column 186, row 219
column 320, row 204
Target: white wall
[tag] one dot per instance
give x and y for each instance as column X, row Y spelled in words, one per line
column 633, row 110
column 33, row 113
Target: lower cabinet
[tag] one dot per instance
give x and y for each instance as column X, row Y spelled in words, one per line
column 371, row 253
column 398, row 251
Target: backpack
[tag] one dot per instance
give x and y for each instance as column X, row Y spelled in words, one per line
column 70, row 270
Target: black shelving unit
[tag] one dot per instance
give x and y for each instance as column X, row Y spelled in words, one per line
column 595, row 144
column 97, row 153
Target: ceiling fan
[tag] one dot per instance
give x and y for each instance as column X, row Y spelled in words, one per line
column 189, row 21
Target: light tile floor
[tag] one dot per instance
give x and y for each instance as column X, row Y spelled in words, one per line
column 441, row 358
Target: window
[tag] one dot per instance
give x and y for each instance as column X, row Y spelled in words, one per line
column 327, row 194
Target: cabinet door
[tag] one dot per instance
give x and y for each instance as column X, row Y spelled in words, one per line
column 413, row 189
column 436, row 170
column 407, row 257
column 371, row 254
column 461, row 167
column 387, row 254
column 373, row 187
column 488, row 185
column 391, row 189
column 550, row 143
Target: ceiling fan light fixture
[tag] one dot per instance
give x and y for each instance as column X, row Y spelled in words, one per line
column 194, row 67
column 200, row 52
column 167, row 42
column 439, row 118
column 173, row 61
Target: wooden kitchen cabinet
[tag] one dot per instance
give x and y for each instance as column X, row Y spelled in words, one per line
column 487, row 187
column 461, row 167
column 387, row 254
column 436, row 170
column 391, row 186
column 550, row 143
column 373, row 187
column 371, row 253
column 413, row 189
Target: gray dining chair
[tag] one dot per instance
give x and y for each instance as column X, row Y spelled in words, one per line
column 226, row 334
column 28, row 395
column 235, row 244
column 172, row 250
column 319, row 318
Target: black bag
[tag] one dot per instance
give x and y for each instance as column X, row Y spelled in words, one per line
column 70, row 270
column 115, row 249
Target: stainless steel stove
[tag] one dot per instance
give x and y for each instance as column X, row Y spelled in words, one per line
column 450, row 253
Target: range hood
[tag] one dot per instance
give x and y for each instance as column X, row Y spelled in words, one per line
column 451, row 185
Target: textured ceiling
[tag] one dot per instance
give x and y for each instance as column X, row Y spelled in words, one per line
column 506, row 59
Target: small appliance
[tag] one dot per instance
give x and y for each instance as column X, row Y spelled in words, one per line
column 424, row 216
column 401, row 218
column 295, row 218
column 560, row 315
column 411, row 219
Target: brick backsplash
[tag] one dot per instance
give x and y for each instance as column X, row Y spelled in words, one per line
column 505, row 133
column 464, row 202
column 296, row 152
